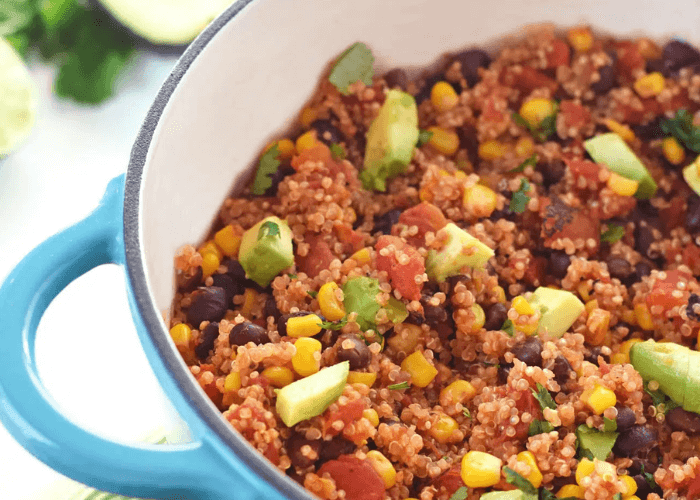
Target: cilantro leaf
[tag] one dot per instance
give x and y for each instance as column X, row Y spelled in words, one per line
column 613, row 234
column 609, row 425
column 293, row 276
column 269, row 228
column 520, row 199
column 267, row 167
column 681, row 127
column 337, row 151
column 333, row 325
column 460, row 494
column 541, row 132
column 543, row 397
column 599, row 444
column 660, row 400
column 423, row 137
column 530, row 162
column 508, row 327
column 356, row 63
column 539, row 427
column 519, row 481
column 399, row 386
column 312, row 293
column 649, row 478
column 545, row 494
column 467, row 413
column 617, row 496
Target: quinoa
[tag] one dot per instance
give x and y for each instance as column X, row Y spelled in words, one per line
column 553, row 218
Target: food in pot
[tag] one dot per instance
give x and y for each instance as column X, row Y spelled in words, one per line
column 480, row 282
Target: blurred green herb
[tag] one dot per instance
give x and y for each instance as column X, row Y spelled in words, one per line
column 681, row 127
column 267, row 167
column 530, row 162
column 613, row 234
column 649, row 478
column 541, row 132
column 399, row 386
column 508, row 327
column 355, row 64
column 423, row 137
column 467, row 413
column 519, row 481
column 539, row 427
column 269, row 228
column 333, row 325
column 460, row 494
column 520, row 199
column 312, row 293
column 543, row 396
column 337, row 151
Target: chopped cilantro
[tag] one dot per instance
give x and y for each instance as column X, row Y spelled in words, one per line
column 399, row 386
column 541, row 132
column 508, row 327
column 545, row 494
column 660, row 400
column 681, row 127
column 530, row 162
column 543, row 397
column 356, row 63
column 269, row 228
column 312, row 293
column 333, row 325
column 267, row 167
column 460, row 494
column 613, row 234
column 617, row 496
column 520, row 199
column 293, row 276
column 599, row 444
column 423, row 137
column 467, row 413
column 609, row 425
column 519, row 481
column 539, row 427
column 649, row 478
column 337, row 151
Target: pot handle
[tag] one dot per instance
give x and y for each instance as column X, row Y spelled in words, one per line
column 194, row 470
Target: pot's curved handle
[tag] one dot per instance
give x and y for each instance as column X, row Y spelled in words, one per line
column 193, row 470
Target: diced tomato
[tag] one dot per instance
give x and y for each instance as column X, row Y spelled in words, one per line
column 691, row 257
column 352, row 240
column 318, row 258
column 665, row 292
column 559, row 55
column 450, row 480
column 426, row 217
column 402, row 276
column 673, row 215
column 574, row 114
column 583, row 168
column 490, row 112
column 629, row 60
column 694, row 486
column 320, row 153
column 356, row 477
column 210, row 389
column 525, row 402
column 535, row 271
column 347, row 413
column 272, row 454
column 527, row 80
column 562, row 221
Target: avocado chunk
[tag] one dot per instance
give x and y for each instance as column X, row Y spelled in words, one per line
column 310, row 396
column 599, row 444
column 266, row 249
column 456, row 254
column 391, row 139
column 559, row 309
column 691, row 174
column 361, row 297
column 503, row 495
column 675, row 367
column 613, row 151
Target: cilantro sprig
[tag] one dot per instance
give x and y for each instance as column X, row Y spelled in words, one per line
column 508, row 327
column 400, row 386
column 543, row 397
column 423, row 137
column 613, row 234
column 460, row 494
column 269, row 228
column 355, row 64
column 267, row 167
column 519, row 482
column 520, row 198
column 681, row 127
column 333, row 325
column 337, row 151
column 539, row 427
column 660, row 400
column 529, row 162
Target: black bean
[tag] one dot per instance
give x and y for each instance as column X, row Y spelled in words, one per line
column 270, row 309
column 643, row 238
column 294, row 445
column 561, row 369
column 643, row 268
column 282, row 323
column 424, row 92
column 326, row 132
column 552, row 172
column 396, row 78
column 496, row 315
column 471, row 60
column 334, row 448
column 295, row 476
column 246, row 332
column 276, row 178
column 505, row 214
column 358, row 354
column 649, row 131
column 607, row 80
column 690, row 310
column 383, row 223
column 643, row 488
column 529, row 351
column 206, row 340
column 683, row 420
column 236, row 271
column 692, row 216
column 625, row 417
column 208, row 304
column 619, row 267
column 503, row 371
column 593, row 353
column 439, row 318
column 655, row 65
column 636, row 441
column 230, row 286
column 186, row 284
column 558, row 264
column 678, row 55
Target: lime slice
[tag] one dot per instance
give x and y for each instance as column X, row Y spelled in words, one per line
column 17, row 99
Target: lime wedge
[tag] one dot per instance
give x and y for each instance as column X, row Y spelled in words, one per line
column 17, row 99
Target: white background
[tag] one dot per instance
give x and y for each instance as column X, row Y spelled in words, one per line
column 89, row 356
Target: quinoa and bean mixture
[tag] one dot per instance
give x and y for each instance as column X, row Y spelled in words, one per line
column 481, row 282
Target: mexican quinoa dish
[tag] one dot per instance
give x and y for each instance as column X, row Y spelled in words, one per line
column 479, row 282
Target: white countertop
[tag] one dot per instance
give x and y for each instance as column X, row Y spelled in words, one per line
column 95, row 369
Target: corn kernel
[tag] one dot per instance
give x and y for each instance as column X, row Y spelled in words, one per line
column 585, row 468
column 285, row 147
column 581, row 39
column 527, row 328
column 571, row 490
column 443, row 97
column 445, row 141
column 479, row 318
column 626, row 346
column 524, row 147
column 303, row 326
column 491, row 150
column 279, row 376
column 210, row 263
column 599, row 399
column 583, row 291
column 641, row 312
column 420, row 369
column 383, row 466
column 308, row 116
column 629, row 317
column 366, row 378
column 522, row 306
column 500, row 294
column 371, row 415
column 181, row 334
column 629, row 486
column 673, row 151
column 331, row 306
column 249, row 298
column 633, row 497
column 228, row 239
column 444, row 429
column 648, row 49
column 459, row 391
column 480, row 469
column 305, row 361
column 621, row 185
column 480, row 201
column 535, row 110
column 590, row 305
column 306, row 141
column 619, row 358
column 405, row 338
column 232, row 382
column 362, row 256
column 535, row 476
column 597, row 325
column 650, row 85
column 622, row 130
column 211, row 247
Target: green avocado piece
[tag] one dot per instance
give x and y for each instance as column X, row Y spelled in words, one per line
column 503, row 495
column 449, row 260
column 675, row 367
column 600, row 444
column 692, row 176
column 361, row 297
column 559, row 309
column 391, row 139
column 310, row 396
column 613, row 151
column 266, row 249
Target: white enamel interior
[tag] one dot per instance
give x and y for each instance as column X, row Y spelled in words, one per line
column 255, row 75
